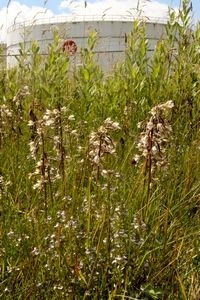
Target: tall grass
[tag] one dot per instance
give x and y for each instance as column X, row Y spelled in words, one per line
column 99, row 175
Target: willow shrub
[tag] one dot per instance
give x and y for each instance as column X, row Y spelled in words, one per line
column 99, row 173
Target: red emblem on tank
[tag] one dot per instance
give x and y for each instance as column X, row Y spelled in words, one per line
column 69, row 46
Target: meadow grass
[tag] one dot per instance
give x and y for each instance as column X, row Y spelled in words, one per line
column 99, row 175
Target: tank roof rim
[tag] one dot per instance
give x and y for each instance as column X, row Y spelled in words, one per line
column 85, row 18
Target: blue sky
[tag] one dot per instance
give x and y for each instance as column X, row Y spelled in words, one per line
column 22, row 10
column 54, row 4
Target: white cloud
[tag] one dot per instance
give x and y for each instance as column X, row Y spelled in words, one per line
column 150, row 9
column 17, row 12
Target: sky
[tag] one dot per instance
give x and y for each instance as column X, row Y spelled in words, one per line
column 12, row 12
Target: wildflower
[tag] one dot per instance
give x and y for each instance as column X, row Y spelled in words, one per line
column 5, row 111
column 153, row 139
column 74, row 132
column 38, row 185
column 100, row 144
column 64, row 109
column 109, row 124
column 71, row 118
column 11, row 233
column 33, row 146
column 3, row 185
column 158, row 109
column 58, row 287
column 35, row 251
column 117, row 259
column 31, row 123
column 24, row 91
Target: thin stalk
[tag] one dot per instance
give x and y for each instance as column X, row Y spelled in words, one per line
column 43, row 171
column 89, row 214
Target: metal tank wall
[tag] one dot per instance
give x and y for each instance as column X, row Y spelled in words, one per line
column 109, row 49
column 2, row 56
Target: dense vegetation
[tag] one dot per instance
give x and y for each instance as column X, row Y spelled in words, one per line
column 99, row 173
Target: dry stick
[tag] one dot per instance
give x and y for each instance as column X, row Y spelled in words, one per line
column 148, row 171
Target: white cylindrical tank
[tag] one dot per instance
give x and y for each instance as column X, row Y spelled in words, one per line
column 110, row 47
